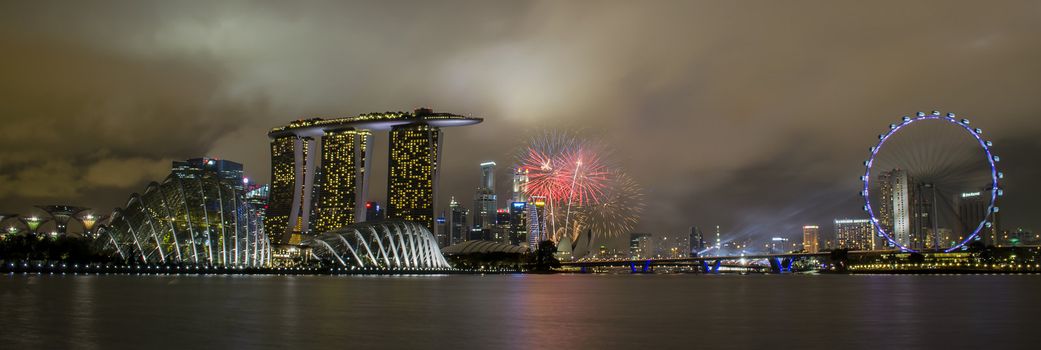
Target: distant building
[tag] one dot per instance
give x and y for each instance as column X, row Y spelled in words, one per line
column 257, row 197
column 485, row 201
column 641, row 246
column 520, row 185
column 227, row 170
column 854, row 234
column 518, row 223
column 443, row 232
column 906, row 210
column 811, row 238
column 972, row 211
column 536, row 221
column 672, row 247
column 697, row 241
column 457, row 222
column 502, row 229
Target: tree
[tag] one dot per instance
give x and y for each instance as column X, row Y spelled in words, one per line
column 840, row 259
column 544, row 260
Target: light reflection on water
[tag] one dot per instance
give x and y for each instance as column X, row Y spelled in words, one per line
column 519, row 311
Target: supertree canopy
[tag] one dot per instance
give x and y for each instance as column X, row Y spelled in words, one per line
column 581, row 188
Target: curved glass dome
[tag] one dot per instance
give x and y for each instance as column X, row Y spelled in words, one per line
column 189, row 220
column 394, row 244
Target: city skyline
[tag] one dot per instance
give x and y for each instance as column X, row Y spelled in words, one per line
column 703, row 152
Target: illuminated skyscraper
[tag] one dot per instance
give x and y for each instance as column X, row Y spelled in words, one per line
column 972, row 210
column 283, row 185
column 854, row 234
column 320, row 169
column 520, row 185
column 457, row 222
column 342, row 174
column 484, row 199
column 811, row 238
column 414, row 157
column 518, row 222
column 906, row 210
column 536, row 221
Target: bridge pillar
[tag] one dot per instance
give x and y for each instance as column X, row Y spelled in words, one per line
column 706, row 268
column 787, row 264
column 780, row 265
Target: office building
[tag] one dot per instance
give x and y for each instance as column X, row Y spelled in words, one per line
column 457, row 222
column 811, row 238
column 855, row 234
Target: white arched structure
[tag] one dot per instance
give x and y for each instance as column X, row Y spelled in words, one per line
column 393, row 244
column 192, row 220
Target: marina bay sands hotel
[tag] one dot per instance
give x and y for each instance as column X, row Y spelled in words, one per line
column 320, row 170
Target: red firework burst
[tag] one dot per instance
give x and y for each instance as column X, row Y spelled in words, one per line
column 573, row 175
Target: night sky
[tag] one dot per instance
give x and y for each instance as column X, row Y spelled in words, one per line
column 751, row 115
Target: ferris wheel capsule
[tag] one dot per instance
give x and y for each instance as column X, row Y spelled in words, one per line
column 892, row 126
column 1001, row 175
column 988, row 224
column 936, row 112
column 1001, row 192
column 996, row 209
column 921, row 114
column 907, row 119
column 997, row 159
column 950, row 115
column 978, row 130
column 989, row 144
column 965, row 121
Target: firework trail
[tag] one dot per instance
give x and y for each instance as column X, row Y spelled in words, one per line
column 575, row 178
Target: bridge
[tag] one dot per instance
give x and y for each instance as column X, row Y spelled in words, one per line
column 779, row 263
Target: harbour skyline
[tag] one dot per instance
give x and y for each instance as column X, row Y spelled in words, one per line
column 778, row 164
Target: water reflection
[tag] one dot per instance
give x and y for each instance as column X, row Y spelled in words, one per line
column 518, row 312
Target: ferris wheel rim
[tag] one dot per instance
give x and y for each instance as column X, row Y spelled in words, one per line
column 995, row 175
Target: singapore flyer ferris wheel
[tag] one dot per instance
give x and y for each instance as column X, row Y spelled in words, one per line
column 931, row 184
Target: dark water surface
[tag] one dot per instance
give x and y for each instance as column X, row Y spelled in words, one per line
column 520, row 312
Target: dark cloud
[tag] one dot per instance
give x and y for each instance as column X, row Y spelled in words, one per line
column 751, row 115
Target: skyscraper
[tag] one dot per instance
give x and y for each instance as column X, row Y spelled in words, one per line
column 518, row 223
column 414, row 157
column 972, row 211
column 854, row 234
column 641, row 245
column 284, row 185
column 906, row 210
column 536, row 221
column 340, row 191
column 457, row 222
column 520, row 185
column 697, row 241
column 320, row 170
column 484, row 199
column 811, row 238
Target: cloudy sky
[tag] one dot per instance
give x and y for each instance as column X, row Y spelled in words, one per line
column 751, row 115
